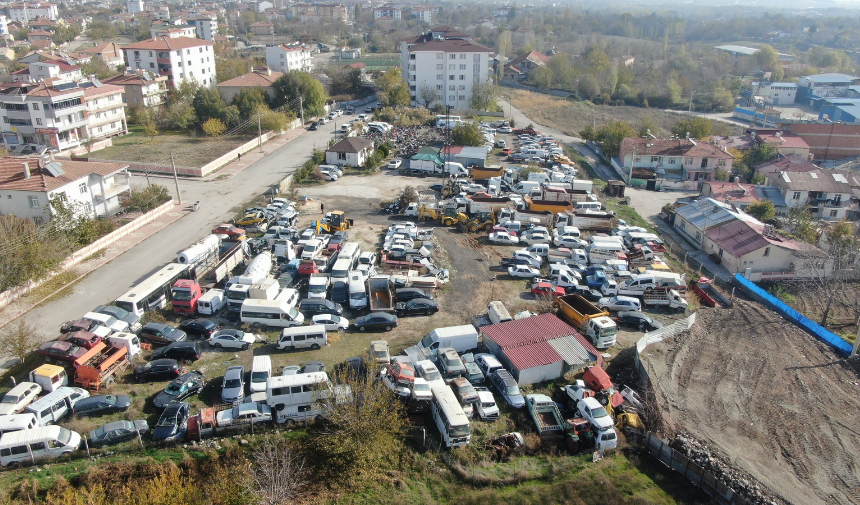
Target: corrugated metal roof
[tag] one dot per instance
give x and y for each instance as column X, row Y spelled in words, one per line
column 576, row 350
column 527, row 331
column 532, row 355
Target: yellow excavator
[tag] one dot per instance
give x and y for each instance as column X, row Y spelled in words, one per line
column 334, row 221
column 448, row 215
column 482, row 221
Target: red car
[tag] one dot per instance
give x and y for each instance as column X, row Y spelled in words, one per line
column 506, row 151
column 401, row 372
column 84, row 339
column 543, row 288
column 57, row 350
column 229, row 230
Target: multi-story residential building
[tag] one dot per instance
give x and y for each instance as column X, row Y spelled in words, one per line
column 318, row 11
column 447, row 61
column 109, row 52
column 43, row 114
column 686, row 159
column 172, row 31
column 4, row 27
column 424, row 13
column 826, row 193
column 134, row 6
column 206, row 25
column 25, row 12
column 283, row 58
column 389, row 11
column 263, row 28
column 163, row 13
column 180, row 59
column 42, row 70
column 141, row 88
column 105, row 111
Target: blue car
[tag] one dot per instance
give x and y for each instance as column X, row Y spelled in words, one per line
column 505, row 384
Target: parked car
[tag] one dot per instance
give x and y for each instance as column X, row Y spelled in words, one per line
column 590, row 294
column 158, row 369
column 199, row 327
column 187, row 351
column 547, row 289
column 406, row 294
column 83, row 339
column 338, row 238
column 395, row 164
column 619, row 303
column 417, row 307
column 523, row 271
column 180, row 388
column 505, row 384
column 173, row 423
column 376, row 321
column 229, row 230
column 314, row 126
column 76, row 325
column 233, row 385
column 331, row 322
column 160, row 333
column 60, row 351
column 291, row 370
column 313, row 366
column 503, row 237
column 637, row 319
column 232, row 339
column 315, row 306
column 252, row 413
column 100, row 405
column 534, row 237
column 19, row 397
column 116, row 432
column 487, row 363
column 592, row 411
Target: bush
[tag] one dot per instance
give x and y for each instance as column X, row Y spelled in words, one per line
column 145, row 200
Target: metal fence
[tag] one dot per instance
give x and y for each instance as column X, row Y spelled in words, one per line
column 700, row 477
column 659, row 335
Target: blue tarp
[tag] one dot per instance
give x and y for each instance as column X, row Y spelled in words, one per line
column 816, row 330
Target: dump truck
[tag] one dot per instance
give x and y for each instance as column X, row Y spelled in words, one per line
column 525, row 216
column 709, row 294
column 212, row 421
column 480, row 205
column 480, row 174
column 547, row 417
column 591, row 221
column 560, row 194
column 99, row 367
column 379, row 291
column 548, row 205
column 665, row 297
column 592, row 322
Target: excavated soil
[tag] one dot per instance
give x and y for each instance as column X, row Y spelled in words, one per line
column 767, row 397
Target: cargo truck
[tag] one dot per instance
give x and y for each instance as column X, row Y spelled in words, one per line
column 553, row 193
column 479, row 205
column 548, row 419
column 205, row 271
column 525, row 216
column 379, row 291
column 555, row 207
column 100, row 366
column 592, row 322
column 480, row 174
column 591, row 221
column 668, row 298
column 238, row 287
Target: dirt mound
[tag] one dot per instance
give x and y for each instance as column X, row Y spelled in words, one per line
column 766, row 397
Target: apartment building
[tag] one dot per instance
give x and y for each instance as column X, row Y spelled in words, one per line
column 172, row 31
column 134, row 6
column 26, row 12
column 283, row 58
column 105, row 110
column 389, row 11
column 206, row 25
column 447, row 61
column 180, row 59
column 42, row 70
column 141, row 88
column 53, row 115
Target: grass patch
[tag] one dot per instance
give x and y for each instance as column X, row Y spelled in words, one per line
column 96, row 255
column 56, row 282
column 190, row 151
column 628, row 213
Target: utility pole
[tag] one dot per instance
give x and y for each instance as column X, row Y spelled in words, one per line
column 260, row 131
column 302, row 108
column 176, row 179
column 690, row 108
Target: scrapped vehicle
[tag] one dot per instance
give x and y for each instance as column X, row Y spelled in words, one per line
column 100, row 405
column 619, row 303
column 233, row 385
column 376, row 321
column 60, row 351
column 503, row 237
column 417, row 307
column 182, row 387
column 19, row 397
column 83, row 339
column 158, row 369
column 159, row 333
column 199, row 327
column 232, row 339
column 523, row 271
column 173, row 423
column 187, row 351
column 637, row 319
column 229, row 230
column 116, row 432
column 505, row 384
column 331, row 322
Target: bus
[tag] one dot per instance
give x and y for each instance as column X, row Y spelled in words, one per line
column 449, row 416
column 154, row 291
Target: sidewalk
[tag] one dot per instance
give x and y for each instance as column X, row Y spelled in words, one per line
column 22, row 305
column 247, row 159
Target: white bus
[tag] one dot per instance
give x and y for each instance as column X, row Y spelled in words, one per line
column 154, row 291
column 449, row 416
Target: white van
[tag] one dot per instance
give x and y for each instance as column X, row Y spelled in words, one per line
column 115, row 325
column 497, row 312
column 340, row 270
column 270, row 313
column 31, row 446
column 357, row 291
column 303, row 337
column 526, row 187
column 50, row 377
column 212, row 302
column 261, row 370
column 18, row 422
column 463, row 338
column 54, row 406
column 539, row 250
column 349, row 251
column 587, row 206
column 293, row 397
column 312, row 249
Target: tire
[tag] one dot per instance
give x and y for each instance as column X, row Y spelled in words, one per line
column 340, row 329
column 315, row 347
column 361, row 328
column 642, row 327
column 428, row 313
column 216, row 345
column 246, row 347
column 474, row 228
column 388, row 328
column 109, row 381
column 488, row 227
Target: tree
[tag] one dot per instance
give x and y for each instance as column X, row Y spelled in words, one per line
column 611, row 135
column 588, row 86
column 767, row 57
column 467, row 135
column 427, row 94
column 761, row 153
column 29, row 252
column 799, row 224
column 102, row 31
column 19, row 339
column 392, row 89
column 150, row 130
column 763, row 210
column 697, row 127
column 146, row 199
column 97, row 66
column 294, row 84
column 647, row 124
column 207, row 103
column 248, row 101
column 275, row 121
column 214, row 127
column 275, row 474
column 64, row 34
column 542, row 76
column 485, row 97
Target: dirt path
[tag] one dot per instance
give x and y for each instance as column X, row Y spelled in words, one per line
column 767, row 396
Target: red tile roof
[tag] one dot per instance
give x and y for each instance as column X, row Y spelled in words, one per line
column 12, row 173
column 252, row 80
column 104, row 89
column 738, row 238
column 451, row 150
column 790, row 163
column 166, row 43
column 787, row 140
column 527, row 331
column 734, row 191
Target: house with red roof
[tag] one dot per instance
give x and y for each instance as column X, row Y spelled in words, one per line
column 179, row 58
column 539, row 348
column 259, row 77
column 520, row 67
column 743, row 245
column 786, row 143
column 684, row 159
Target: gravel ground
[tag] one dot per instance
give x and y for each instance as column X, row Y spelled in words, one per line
column 766, row 397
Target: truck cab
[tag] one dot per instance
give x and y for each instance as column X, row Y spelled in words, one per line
column 184, row 294
column 129, row 341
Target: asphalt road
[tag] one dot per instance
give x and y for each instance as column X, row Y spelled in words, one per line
column 219, row 201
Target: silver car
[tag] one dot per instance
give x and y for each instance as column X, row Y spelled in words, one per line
column 233, row 386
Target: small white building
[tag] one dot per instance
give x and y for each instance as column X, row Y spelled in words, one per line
column 828, row 194
column 28, row 184
column 743, row 245
column 134, row 6
column 351, row 152
column 283, row 58
column 206, row 25
column 25, row 12
column 388, row 11
column 172, row 31
column 180, row 59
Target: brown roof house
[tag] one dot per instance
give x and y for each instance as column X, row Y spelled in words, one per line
column 350, row 152
column 109, row 52
column 685, row 159
column 27, row 184
column 259, row 77
column 754, row 249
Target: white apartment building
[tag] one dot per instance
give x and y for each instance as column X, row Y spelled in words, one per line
column 387, row 11
column 450, row 66
column 173, row 31
column 180, row 59
column 776, row 93
column 205, row 25
column 283, row 58
column 4, row 26
column 39, row 71
column 424, row 13
column 105, row 111
column 134, row 6
column 26, row 12
column 44, row 114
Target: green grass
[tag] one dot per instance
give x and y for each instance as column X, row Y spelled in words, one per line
column 191, row 151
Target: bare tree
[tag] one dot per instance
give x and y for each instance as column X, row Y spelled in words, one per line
column 18, row 340
column 427, row 94
column 275, row 474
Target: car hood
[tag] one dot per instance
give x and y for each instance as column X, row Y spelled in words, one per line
column 162, row 399
column 167, row 432
column 231, row 392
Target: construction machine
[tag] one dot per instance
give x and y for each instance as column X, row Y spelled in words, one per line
column 448, row 215
column 481, row 221
column 333, row 221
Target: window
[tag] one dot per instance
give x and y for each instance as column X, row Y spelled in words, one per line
column 796, row 195
column 137, row 54
column 439, row 56
column 462, row 97
column 832, row 213
column 476, row 69
column 767, row 251
column 462, row 66
column 35, row 106
column 341, row 156
column 462, row 77
column 451, row 77
column 179, row 64
column 440, row 66
column 451, row 98
column 476, row 57
column 671, row 161
column 655, row 159
column 83, row 188
column 452, row 57
column 452, row 67
column 34, row 202
column 637, row 159
column 689, row 161
column 188, row 51
column 439, row 87
column 462, row 56
column 721, row 163
column 440, row 77
column 39, row 121
column 721, row 252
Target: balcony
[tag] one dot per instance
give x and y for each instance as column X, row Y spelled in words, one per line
column 832, row 204
column 20, row 122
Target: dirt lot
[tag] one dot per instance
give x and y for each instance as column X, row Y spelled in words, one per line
column 768, row 398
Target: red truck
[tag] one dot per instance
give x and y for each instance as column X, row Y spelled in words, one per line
column 100, row 366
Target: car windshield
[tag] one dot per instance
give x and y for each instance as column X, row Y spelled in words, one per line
column 293, row 313
column 458, row 431
column 99, row 432
column 182, row 295
column 10, row 399
column 232, row 383
column 512, row 389
column 599, row 412
column 424, row 388
column 467, row 390
column 380, row 354
column 357, row 295
column 259, row 376
column 167, row 421
column 317, row 288
column 405, row 372
column 64, row 436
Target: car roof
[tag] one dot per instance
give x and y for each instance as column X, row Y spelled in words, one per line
column 164, row 362
column 238, row 370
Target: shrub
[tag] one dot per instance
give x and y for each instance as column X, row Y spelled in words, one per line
column 144, row 200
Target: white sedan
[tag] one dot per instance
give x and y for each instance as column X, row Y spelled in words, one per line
column 535, row 237
column 504, row 129
column 523, row 271
column 569, row 241
column 617, row 303
column 328, row 176
column 232, row 339
column 503, row 237
column 395, row 163
column 331, row 322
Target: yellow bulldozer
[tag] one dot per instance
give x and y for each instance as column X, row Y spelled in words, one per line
column 448, row 215
column 333, row 221
column 482, row 221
